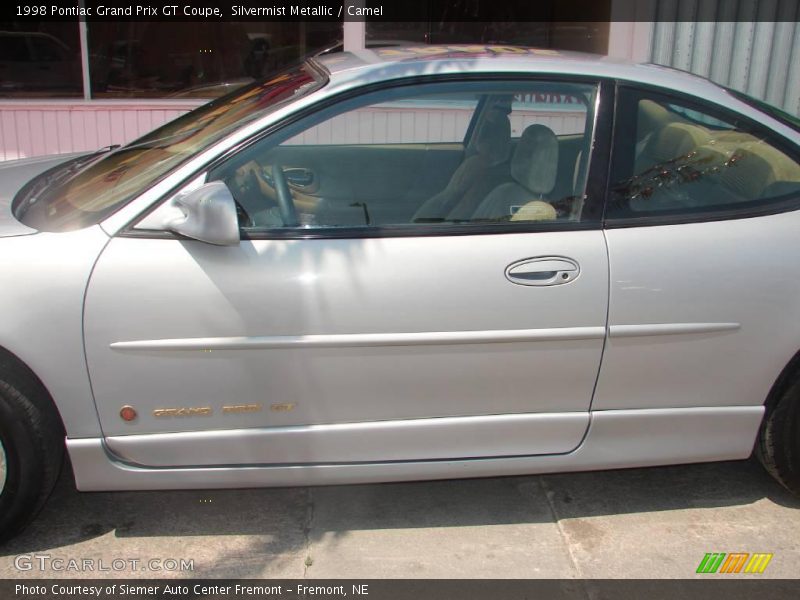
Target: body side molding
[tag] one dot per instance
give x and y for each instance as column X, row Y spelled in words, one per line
column 353, row 340
column 422, row 338
column 621, row 331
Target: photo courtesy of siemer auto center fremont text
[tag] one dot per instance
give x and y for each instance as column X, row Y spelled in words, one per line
column 443, row 299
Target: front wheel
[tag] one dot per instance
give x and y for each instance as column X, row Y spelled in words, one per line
column 31, row 453
column 778, row 445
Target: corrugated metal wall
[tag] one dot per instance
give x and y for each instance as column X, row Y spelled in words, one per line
column 749, row 45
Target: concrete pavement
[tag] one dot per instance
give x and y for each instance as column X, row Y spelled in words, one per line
column 634, row 523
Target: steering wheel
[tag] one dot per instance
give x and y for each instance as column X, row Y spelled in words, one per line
column 285, row 202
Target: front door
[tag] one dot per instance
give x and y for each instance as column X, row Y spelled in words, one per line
column 351, row 331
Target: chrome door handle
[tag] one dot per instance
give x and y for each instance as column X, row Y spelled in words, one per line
column 543, row 271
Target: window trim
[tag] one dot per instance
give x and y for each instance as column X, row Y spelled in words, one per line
column 596, row 178
column 477, row 116
column 773, row 112
column 776, row 205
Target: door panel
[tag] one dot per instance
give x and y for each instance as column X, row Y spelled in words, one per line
column 391, row 179
column 321, row 332
column 299, row 345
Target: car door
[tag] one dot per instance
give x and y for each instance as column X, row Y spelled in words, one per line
column 702, row 238
column 332, row 340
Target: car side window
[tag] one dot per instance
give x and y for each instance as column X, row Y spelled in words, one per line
column 427, row 119
column 448, row 154
column 673, row 158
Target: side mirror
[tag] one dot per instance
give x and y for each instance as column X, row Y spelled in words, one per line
column 209, row 215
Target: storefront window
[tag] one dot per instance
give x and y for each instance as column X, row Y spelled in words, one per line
column 195, row 59
column 579, row 37
column 541, row 24
column 130, row 59
column 137, row 59
column 40, row 60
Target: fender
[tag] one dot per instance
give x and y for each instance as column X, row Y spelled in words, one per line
column 42, row 322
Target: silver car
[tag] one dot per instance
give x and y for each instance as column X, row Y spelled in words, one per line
column 403, row 264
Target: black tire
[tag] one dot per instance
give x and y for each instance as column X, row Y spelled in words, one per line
column 33, row 440
column 778, row 446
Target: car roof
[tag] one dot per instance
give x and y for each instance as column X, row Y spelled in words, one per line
column 371, row 65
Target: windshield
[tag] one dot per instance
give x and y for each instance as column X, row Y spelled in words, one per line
column 83, row 192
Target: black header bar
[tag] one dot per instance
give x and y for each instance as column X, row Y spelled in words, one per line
column 428, row 11
column 707, row 588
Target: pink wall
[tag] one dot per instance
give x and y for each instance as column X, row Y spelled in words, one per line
column 37, row 127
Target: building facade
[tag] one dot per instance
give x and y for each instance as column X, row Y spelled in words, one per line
column 73, row 86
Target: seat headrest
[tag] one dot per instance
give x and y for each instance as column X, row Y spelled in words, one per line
column 651, row 117
column 535, row 160
column 493, row 139
column 675, row 140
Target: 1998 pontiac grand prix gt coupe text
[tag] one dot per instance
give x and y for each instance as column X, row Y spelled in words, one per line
column 413, row 263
